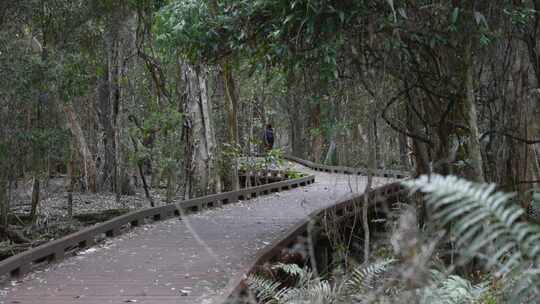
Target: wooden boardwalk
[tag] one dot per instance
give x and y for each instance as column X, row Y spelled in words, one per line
column 180, row 261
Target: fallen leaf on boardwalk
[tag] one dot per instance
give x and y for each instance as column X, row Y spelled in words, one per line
column 183, row 292
column 87, row 251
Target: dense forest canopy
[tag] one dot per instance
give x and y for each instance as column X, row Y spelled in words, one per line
column 445, row 86
column 119, row 96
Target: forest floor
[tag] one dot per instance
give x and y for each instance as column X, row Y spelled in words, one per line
column 53, row 219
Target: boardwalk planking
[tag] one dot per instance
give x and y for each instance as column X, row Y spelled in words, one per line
column 180, row 261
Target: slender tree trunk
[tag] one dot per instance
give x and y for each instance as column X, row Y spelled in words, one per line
column 141, row 173
column 331, row 151
column 372, row 163
column 69, row 186
column 105, row 151
column 475, row 149
column 37, row 151
column 376, row 141
column 4, row 201
column 318, row 138
column 171, row 186
column 89, row 165
column 403, row 151
column 295, row 118
column 35, row 199
column 232, row 110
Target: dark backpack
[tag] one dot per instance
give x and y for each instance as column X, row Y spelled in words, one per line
column 269, row 135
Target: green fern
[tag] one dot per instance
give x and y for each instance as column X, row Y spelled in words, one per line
column 303, row 275
column 266, row 291
column 312, row 290
column 366, row 278
column 290, row 269
column 450, row 290
column 533, row 212
column 316, row 292
column 309, row 291
column 483, row 217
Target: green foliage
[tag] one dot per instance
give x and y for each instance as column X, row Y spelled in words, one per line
column 306, row 290
column 167, row 149
column 274, row 157
column 71, row 77
column 533, row 211
column 262, row 31
column 267, row 291
column 294, row 174
column 520, row 16
column 367, row 278
column 486, row 225
column 188, row 27
column 309, row 289
column 366, row 284
column 228, row 155
column 451, row 289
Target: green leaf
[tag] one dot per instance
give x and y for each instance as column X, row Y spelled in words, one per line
column 455, row 15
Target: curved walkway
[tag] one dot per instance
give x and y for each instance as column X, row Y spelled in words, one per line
column 181, row 261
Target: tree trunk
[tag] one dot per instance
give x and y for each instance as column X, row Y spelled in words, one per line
column 105, row 150
column 89, row 165
column 379, row 161
column 119, row 41
column 318, row 138
column 142, row 175
column 403, row 151
column 475, row 150
column 35, row 199
column 522, row 161
column 69, row 186
column 201, row 174
column 232, row 110
column 328, row 160
column 372, row 163
column 296, row 135
column 4, row 201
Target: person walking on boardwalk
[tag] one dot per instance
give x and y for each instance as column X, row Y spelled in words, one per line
column 268, row 138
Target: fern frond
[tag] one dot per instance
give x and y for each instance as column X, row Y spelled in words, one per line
column 365, row 278
column 317, row 292
column 480, row 216
column 267, row 291
column 523, row 286
column 303, row 275
column 307, row 290
column 290, row 269
column 450, row 290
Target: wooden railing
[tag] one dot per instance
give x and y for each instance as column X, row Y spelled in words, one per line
column 398, row 174
column 24, row 262
column 302, row 231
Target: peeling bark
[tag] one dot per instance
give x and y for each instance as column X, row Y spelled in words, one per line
column 200, row 168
